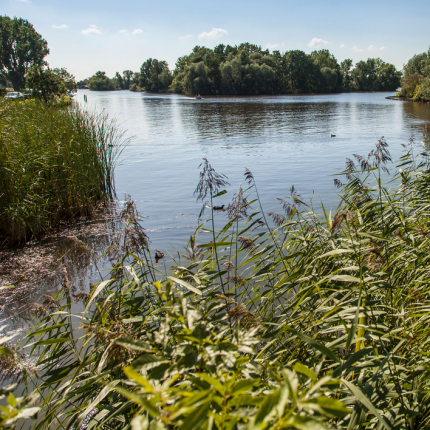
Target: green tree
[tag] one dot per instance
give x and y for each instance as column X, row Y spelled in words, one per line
column 100, row 82
column 419, row 63
column 47, row 83
column 155, row 76
column 345, row 70
column 118, row 81
column 21, row 47
column 128, row 76
column 301, row 72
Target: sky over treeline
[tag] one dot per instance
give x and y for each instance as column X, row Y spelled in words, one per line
column 107, row 35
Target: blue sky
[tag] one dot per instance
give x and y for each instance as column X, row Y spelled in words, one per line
column 107, row 35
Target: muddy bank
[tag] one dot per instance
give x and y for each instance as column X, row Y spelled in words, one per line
column 31, row 274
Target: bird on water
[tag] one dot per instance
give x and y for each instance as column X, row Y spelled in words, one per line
column 158, row 254
column 219, row 208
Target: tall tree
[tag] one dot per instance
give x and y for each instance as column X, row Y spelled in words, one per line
column 21, row 47
column 128, row 76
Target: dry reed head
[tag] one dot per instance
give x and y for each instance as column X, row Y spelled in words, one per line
column 249, row 177
column 278, row 219
column 338, row 183
column 380, row 154
column 210, row 181
column 228, row 265
column 237, row 209
column 246, row 242
column 194, row 251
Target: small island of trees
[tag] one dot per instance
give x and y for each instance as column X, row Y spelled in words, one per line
column 247, row 69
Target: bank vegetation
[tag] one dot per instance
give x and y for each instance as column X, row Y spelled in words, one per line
column 297, row 319
column 56, row 164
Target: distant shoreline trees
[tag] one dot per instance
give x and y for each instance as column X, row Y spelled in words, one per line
column 247, row 69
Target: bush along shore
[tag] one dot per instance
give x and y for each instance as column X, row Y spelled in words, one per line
column 321, row 322
column 56, row 164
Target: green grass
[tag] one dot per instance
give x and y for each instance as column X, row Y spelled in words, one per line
column 56, row 164
column 320, row 323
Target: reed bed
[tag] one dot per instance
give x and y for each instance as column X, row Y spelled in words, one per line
column 56, row 164
column 319, row 323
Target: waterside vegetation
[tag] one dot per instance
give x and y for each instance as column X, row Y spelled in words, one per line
column 416, row 78
column 55, row 164
column 320, row 322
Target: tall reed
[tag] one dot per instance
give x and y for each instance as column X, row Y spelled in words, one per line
column 321, row 322
column 55, row 164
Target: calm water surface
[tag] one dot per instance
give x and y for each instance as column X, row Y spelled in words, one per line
column 283, row 140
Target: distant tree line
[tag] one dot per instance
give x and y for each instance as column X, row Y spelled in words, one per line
column 247, row 69
column 416, row 78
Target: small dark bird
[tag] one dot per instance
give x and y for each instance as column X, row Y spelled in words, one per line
column 333, row 135
column 159, row 254
column 219, row 208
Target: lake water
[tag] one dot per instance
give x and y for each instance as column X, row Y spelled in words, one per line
column 283, row 140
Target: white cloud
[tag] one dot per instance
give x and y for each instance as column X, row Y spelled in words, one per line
column 375, row 48
column 187, row 36
column 137, row 31
column 215, row 33
column 123, row 32
column 274, row 46
column 342, row 46
column 24, row 1
column 371, row 48
column 60, row 27
column 317, row 43
column 92, row 29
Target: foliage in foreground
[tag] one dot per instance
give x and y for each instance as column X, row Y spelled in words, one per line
column 55, row 164
column 320, row 323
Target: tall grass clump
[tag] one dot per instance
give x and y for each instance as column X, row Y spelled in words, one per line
column 55, row 164
column 319, row 323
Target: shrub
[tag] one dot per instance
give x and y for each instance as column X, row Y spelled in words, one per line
column 409, row 85
column 422, row 91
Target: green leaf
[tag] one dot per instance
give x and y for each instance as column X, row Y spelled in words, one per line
column 221, row 193
column 305, row 423
column 96, row 292
column 328, row 406
column 301, row 368
column 139, row 422
column 323, row 349
column 196, row 418
column 139, row 400
column 186, row 285
column 366, row 402
column 130, row 343
column 213, row 382
column 336, row 252
column 6, row 351
column 52, row 341
column 242, row 386
column 345, row 278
